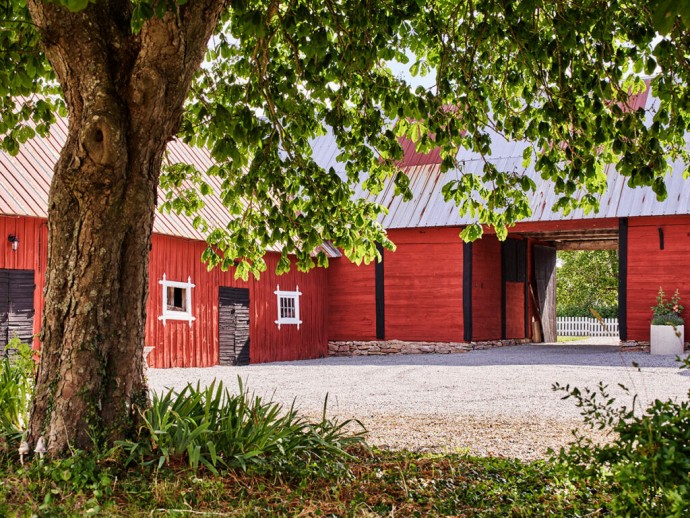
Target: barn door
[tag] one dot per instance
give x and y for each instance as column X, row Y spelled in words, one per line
column 545, row 277
column 4, row 308
column 16, row 305
column 233, row 326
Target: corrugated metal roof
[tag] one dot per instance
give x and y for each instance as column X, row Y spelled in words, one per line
column 25, row 184
column 428, row 208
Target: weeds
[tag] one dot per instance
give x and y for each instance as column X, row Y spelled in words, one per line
column 646, row 465
column 215, row 429
column 377, row 483
column 16, row 388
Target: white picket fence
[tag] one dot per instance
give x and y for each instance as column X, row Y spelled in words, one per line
column 586, row 326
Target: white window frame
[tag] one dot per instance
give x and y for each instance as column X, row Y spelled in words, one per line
column 177, row 315
column 294, row 295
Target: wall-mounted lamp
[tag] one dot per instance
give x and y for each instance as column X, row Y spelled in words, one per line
column 14, row 240
column 661, row 238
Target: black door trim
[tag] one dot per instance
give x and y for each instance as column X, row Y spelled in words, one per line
column 467, row 290
column 380, row 296
column 623, row 278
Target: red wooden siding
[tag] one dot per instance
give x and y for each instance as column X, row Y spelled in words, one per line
column 423, row 291
column 423, row 285
column 177, row 344
column 31, row 255
column 351, row 301
column 515, row 310
column 268, row 343
column 486, row 288
column 650, row 267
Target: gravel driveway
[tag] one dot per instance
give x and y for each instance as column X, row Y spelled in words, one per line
column 496, row 402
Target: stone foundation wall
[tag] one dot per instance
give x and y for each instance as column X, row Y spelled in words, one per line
column 634, row 346
column 385, row 347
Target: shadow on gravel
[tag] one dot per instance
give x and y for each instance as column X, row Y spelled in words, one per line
column 534, row 354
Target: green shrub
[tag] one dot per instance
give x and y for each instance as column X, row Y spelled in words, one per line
column 669, row 319
column 211, row 427
column 667, row 312
column 646, row 465
column 16, row 389
column 585, row 311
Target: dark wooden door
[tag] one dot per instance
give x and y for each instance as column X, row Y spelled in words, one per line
column 16, row 305
column 4, row 308
column 545, row 277
column 233, row 326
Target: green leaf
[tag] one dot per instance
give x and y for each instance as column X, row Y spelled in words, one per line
column 76, row 5
column 471, row 233
column 664, row 15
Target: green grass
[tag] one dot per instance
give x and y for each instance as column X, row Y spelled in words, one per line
column 571, row 338
column 373, row 483
column 210, row 452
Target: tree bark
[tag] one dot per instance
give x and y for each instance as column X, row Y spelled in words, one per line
column 124, row 94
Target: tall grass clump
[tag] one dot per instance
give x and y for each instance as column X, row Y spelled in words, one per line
column 213, row 428
column 646, row 465
column 16, row 389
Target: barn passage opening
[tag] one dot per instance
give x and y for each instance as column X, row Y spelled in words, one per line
column 574, row 287
column 587, row 293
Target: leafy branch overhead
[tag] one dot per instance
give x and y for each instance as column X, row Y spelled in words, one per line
column 279, row 74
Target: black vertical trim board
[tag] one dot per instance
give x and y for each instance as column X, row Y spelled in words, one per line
column 467, row 290
column 526, row 273
column 380, row 301
column 503, row 288
column 661, row 238
column 623, row 278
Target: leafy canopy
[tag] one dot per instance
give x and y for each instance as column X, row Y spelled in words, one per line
column 279, row 74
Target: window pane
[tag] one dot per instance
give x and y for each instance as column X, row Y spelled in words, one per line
column 177, row 299
column 287, row 307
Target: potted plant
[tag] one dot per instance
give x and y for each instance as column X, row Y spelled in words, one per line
column 667, row 335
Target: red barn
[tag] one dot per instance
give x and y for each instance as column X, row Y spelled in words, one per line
column 434, row 293
column 196, row 318
column 437, row 290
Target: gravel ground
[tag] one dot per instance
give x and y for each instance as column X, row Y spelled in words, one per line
column 495, row 402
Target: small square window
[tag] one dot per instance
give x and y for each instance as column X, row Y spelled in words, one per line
column 177, row 300
column 288, row 307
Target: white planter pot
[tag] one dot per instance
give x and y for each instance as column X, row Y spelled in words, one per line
column 667, row 339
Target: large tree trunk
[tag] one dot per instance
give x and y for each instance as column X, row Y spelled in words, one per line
column 124, row 93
